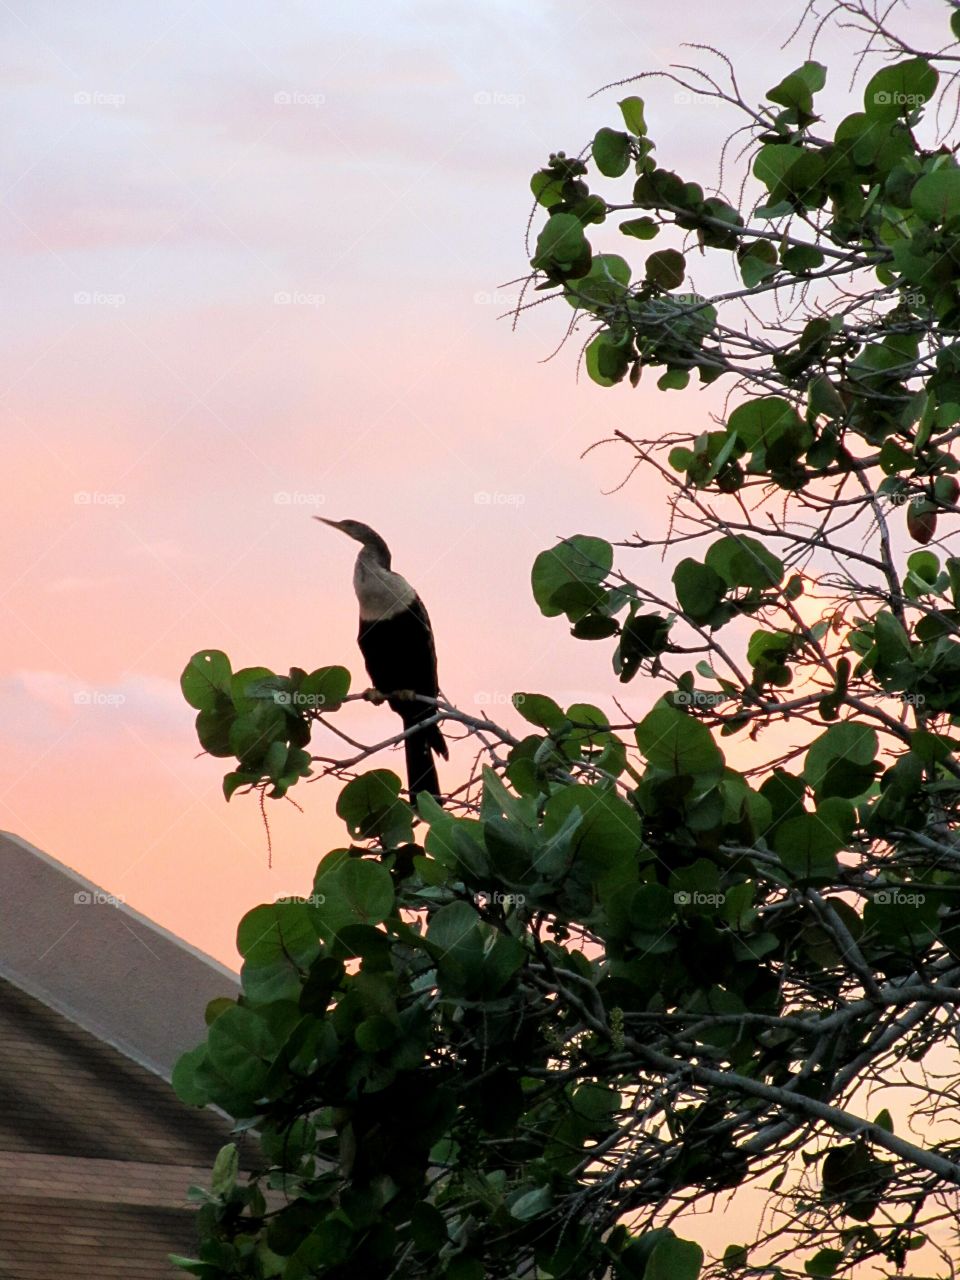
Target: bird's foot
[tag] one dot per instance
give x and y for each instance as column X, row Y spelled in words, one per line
column 375, row 696
column 404, row 695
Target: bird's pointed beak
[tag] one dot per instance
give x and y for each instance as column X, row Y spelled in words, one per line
column 339, row 524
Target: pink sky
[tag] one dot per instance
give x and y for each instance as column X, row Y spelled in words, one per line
column 158, row 197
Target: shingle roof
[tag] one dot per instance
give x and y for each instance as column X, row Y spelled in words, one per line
column 50, row 1239
column 96, row 1150
column 67, row 1093
column 107, row 967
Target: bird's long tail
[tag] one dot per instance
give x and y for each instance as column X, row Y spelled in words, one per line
column 421, row 770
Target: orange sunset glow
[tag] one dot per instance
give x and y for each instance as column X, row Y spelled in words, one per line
column 258, row 260
column 302, row 297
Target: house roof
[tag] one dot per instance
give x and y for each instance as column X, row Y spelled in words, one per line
column 96, row 1150
column 51, row 1239
column 65, row 1092
column 106, row 967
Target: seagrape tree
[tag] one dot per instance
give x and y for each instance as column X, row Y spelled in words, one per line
column 618, row 979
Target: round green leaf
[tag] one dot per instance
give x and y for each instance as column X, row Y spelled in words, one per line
column 279, row 977
column 796, row 91
column 278, row 931
column 561, row 244
column 841, row 759
column 253, row 732
column 595, row 626
column 579, row 560
column 357, row 892
column 607, row 359
column 604, row 285
column 744, row 562
column 611, row 152
column 205, row 675
column 251, row 687
column 801, row 258
column 538, row 709
column 530, row 1203
column 774, row 161
column 808, row 846
column 547, row 187
column 213, row 730
column 901, row 89
column 375, row 1033
column 757, row 261
column 699, row 589
column 672, row 740
column 924, row 565
column 632, row 111
column 187, row 1079
column 323, row 689
column 242, row 1048
column 609, row 829
column 225, row 1168
column 666, row 268
column 761, row 421
column 640, row 228
column 674, row 1259
column 372, row 809
column 936, row 197
column 824, row 1263
column 455, row 930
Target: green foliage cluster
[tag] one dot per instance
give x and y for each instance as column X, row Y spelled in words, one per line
column 258, row 717
column 505, row 1041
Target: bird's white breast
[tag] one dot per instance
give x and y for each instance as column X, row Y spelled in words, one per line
column 380, row 592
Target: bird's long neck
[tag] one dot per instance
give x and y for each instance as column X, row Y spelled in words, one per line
column 380, row 593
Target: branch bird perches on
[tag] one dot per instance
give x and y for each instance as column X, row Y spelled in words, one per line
column 396, row 641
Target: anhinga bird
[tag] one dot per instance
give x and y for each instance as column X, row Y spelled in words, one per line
column 396, row 641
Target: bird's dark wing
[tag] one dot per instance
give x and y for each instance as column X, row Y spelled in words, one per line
column 428, row 674
column 399, row 651
column 399, row 654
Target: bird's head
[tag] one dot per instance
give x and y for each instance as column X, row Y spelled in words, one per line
column 362, row 533
column 353, row 529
